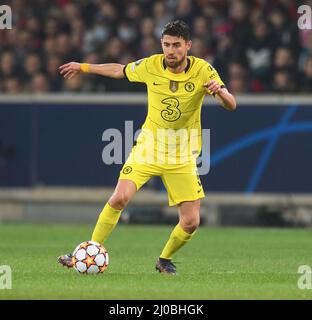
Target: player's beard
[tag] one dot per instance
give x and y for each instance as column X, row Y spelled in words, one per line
column 174, row 63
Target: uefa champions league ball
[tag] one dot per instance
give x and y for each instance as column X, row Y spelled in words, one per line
column 90, row 257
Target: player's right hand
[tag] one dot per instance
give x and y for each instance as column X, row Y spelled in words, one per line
column 70, row 70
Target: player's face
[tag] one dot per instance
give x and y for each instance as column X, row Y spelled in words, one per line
column 175, row 50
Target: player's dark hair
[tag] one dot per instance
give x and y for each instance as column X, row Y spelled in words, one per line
column 177, row 28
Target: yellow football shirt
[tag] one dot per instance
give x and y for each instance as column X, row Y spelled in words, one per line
column 172, row 127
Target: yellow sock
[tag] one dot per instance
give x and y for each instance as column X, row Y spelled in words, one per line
column 106, row 223
column 178, row 239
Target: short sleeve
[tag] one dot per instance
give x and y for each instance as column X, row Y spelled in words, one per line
column 136, row 71
column 210, row 73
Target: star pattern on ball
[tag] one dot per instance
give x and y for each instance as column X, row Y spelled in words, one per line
column 74, row 260
column 103, row 267
column 84, row 245
column 89, row 260
column 103, row 250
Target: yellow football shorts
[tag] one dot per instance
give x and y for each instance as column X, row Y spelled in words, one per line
column 181, row 181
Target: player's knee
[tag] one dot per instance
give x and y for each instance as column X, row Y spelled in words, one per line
column 119, row 200
column 190, row 225
column 195, row 224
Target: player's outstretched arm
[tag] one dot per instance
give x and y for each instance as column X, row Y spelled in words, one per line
column 111, row 70
column 225, row 98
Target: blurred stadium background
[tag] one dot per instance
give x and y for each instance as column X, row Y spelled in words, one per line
column 51, row 167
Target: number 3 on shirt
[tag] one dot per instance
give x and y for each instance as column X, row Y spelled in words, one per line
column 172, row 112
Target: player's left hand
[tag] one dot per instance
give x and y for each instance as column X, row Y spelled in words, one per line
column 212, row 86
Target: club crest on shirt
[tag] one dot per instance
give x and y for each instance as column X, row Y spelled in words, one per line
column 189, row 86
column 173, row 86
column 127, row 170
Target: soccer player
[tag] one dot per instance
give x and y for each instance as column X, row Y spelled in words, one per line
column 176, row 85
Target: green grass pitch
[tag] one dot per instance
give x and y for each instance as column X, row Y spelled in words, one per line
column 219, row 263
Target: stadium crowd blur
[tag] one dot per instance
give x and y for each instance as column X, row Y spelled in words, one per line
column 255, row 45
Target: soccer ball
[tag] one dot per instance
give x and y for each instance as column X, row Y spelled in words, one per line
column 90, row 257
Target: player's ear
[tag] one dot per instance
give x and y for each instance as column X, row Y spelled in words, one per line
column 189, row 45
column 161, row 42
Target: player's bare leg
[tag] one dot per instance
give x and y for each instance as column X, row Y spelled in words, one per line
column 123, row 193
column 109, row 217
column 189, row 215
column 189, row 219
